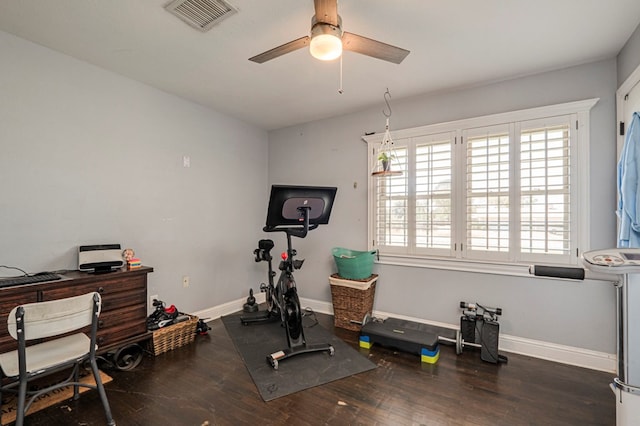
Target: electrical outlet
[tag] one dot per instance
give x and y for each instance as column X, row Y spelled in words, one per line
column 185, row 281
column 152, row 298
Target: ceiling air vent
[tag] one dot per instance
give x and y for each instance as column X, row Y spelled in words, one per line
column 201, row 14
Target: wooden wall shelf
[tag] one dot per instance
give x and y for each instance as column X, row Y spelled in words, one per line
column 383, row 173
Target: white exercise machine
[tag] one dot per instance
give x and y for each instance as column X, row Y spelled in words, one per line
column 624, row 264
column 622, row 267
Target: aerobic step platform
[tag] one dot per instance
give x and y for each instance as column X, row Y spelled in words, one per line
column 407, row 336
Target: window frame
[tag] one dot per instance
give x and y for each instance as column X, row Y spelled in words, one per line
column 580, row 112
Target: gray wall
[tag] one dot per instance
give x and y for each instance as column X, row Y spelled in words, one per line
column 89, row 157
column 330, row 152
column 629, row 56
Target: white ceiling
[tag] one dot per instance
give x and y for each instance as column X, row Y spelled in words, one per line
column 453, row 43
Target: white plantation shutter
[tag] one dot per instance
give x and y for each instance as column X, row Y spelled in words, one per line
column 392, row 204
column 433, row 193
column 488, row 189
column 546, row 187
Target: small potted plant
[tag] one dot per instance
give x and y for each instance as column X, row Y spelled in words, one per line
column 385, row 158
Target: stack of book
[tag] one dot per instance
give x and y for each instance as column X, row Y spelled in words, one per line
column 134, row 263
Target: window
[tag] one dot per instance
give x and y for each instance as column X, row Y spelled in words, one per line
column 502, row 191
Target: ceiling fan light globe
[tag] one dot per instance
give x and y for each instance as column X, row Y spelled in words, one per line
column 326, row 40
column 325, row 47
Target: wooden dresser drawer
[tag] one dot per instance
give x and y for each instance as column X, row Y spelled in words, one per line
column 10, row 297
column 106, row 288
column 129, row 316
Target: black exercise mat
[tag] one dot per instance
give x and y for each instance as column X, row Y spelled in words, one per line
column 254, row 342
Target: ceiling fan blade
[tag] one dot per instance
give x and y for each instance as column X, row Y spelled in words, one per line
column 281, row 50
column 326, row 11
column 376, row 49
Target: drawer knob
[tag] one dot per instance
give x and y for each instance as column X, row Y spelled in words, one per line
column 100, row 290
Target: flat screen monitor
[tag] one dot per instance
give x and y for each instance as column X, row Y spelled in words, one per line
column 285, row 201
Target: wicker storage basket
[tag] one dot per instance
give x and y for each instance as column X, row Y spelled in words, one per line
column 174, row 336
column 352, row 300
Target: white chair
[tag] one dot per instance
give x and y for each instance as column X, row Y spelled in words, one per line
column 53, row 321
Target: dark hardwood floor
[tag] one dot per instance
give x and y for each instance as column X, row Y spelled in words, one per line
column 207, row 382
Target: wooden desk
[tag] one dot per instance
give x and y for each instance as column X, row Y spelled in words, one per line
column 124, row 304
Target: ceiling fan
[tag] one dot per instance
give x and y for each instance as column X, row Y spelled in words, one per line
column 327, row 39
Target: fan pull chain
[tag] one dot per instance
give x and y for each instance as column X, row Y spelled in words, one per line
column 340, row 86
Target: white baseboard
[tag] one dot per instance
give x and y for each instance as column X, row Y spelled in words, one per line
column 580, row 357
column 226, row 308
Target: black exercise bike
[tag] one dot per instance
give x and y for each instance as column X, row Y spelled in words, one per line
column 282, row 302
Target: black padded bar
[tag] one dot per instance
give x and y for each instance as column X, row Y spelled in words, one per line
column 557, row 272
